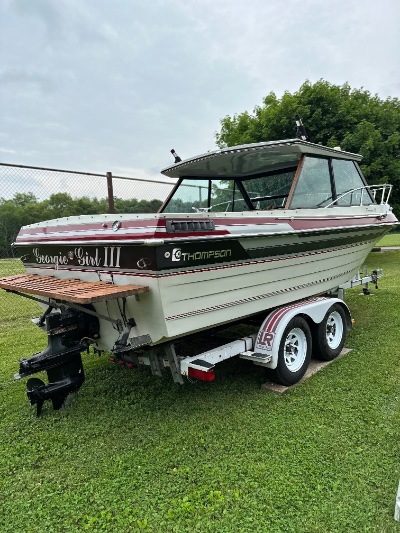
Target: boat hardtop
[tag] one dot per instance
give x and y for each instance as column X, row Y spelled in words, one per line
column 246, row 159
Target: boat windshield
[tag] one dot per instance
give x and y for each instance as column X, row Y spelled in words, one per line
column 348, row 183
column 319, row 182
column 269, row 191
column 322, row 181
column 228, row 195
column 206, row 195
column 314, row 187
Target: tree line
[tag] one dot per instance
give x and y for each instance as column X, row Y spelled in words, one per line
column 25, row 208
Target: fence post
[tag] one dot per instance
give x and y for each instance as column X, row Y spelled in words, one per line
column 110, row 193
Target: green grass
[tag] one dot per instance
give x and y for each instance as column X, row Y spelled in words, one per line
column 137, row 453
column 392, row 239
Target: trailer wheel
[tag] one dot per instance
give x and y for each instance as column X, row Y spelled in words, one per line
column 294, row 352
column 329, row 336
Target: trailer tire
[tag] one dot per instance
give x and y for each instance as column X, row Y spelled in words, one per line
column 329, row 336
column 294, row 353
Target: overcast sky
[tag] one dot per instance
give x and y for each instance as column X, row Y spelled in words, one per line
column 113, row 85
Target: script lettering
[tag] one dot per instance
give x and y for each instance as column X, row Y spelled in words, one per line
column 49, row 259
column 87, row 259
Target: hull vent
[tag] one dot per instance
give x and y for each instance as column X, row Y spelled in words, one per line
column 189, row 226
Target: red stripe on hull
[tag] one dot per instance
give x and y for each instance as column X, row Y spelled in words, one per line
column 21, row 239
column 156, row 228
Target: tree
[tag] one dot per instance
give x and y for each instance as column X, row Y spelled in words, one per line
column 334, row 116
column 10, row 222
column 60, row 204
column 21, row 199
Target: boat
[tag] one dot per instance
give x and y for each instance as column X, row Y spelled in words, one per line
column 244, row 230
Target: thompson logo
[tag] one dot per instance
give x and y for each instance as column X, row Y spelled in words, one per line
column 178, row 255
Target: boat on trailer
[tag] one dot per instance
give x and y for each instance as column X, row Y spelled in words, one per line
column 256, row 229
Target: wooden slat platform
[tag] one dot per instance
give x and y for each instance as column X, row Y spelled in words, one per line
column 69, row 290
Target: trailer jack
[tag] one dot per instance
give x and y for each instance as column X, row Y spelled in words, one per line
column 69, row 333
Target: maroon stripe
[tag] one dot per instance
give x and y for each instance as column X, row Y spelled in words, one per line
column 114, row 237
column 69, row 236
column 298, row 224
column 301, row 225
column 277, row 316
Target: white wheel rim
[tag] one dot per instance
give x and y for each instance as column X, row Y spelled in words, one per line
column 334, row 330
column 295, row 349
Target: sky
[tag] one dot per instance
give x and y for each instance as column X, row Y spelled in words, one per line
column 113, row 85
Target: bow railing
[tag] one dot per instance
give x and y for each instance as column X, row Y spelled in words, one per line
column 380, row 194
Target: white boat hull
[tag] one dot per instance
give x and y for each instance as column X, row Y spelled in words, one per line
column 187, row 301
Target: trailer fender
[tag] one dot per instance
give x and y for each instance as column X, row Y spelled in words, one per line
column 270, row 334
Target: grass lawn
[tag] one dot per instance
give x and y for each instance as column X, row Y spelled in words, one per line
column 135, row 452
column 392, row 239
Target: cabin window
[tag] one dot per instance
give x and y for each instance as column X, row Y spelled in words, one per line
column 269, row 192
column 347, row 181
column 314, row 188
column 226, row 197
column 191, row 195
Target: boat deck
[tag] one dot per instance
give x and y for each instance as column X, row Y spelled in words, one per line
column 69, row 290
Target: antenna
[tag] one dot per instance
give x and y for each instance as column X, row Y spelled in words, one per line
column 177, row 158
column 301, row 130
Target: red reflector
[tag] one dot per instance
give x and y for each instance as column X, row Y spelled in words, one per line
column 130, row 365
column 201, row 374
column 112, row 359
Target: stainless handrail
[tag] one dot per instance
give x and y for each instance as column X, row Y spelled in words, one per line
column 372, row 189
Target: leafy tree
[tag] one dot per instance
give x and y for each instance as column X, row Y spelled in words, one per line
column 22, row 199
column 60, row 204
column 10, row 222
column 89, row 206
column 136, row 206
column 148, row 206
column 333, row 115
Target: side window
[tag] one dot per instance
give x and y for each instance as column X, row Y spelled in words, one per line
column 226, row 197
column 190, row 196
column 347, row 179
column 313, row 188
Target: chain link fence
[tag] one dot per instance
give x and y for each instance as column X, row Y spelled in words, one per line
column 33, row 194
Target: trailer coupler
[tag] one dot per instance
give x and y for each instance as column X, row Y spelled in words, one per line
column 69, row 333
